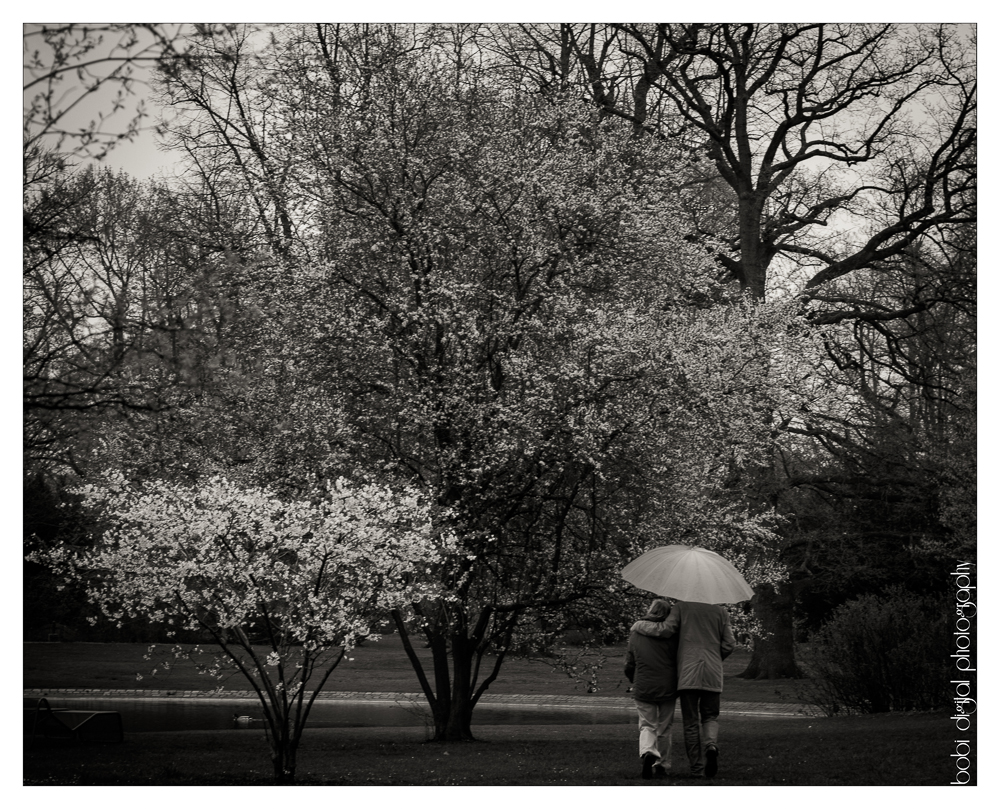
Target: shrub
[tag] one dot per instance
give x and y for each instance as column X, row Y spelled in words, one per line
column 880, row 653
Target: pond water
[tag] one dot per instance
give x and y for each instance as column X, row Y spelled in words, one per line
column 179, row 713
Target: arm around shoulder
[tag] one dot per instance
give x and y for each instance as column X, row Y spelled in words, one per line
column 663, row 629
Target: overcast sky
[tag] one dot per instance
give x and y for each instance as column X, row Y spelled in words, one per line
column 143, row 159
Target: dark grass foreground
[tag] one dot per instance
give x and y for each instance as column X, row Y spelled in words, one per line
column 883, row 750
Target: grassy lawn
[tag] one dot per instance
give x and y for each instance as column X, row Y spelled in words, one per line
column 381, row 666
column 886, row 750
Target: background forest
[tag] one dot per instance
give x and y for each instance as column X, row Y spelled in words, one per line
column 584, row 289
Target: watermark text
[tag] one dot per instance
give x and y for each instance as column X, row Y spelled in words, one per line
column 964, row 660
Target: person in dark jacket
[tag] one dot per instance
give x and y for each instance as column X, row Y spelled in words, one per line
column 705, row 640
column 651, row 666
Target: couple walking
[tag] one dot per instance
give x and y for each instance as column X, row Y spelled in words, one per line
column 676, row 652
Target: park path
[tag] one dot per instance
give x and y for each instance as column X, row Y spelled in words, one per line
column 575, row 702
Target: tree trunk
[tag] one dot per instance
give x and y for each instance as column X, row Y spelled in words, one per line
column 773, row 654
column 451, row 698
column 283, row 759
column 452, row 708
column 458, row 725
column 453, row 722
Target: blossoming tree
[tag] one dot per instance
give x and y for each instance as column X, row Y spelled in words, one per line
column 284, row 588
column 479, row 293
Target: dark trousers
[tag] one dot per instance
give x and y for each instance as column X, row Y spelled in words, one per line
column 700, row 715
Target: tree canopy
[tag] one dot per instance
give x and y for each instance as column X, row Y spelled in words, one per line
column 586, row 288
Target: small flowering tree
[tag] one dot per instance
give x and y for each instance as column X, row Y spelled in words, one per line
column 285, row 588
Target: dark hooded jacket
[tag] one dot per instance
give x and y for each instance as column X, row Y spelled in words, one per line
column 651, row 666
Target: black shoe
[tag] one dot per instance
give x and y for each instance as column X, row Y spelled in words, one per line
column 711, row 761
column 647, row 766
column 659, row 772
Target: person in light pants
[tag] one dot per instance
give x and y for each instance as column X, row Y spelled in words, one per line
column 651, row 666
column 705, row 639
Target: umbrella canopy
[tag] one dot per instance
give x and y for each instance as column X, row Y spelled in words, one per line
column 688, row 574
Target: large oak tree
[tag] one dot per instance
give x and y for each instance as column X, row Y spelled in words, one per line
column 836, row 148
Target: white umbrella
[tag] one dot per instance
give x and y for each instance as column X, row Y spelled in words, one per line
column 688, row 573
